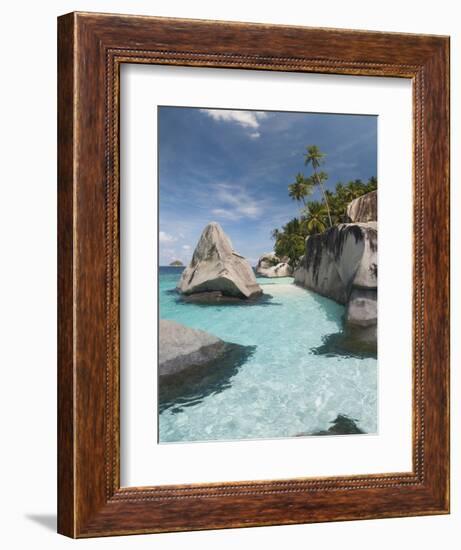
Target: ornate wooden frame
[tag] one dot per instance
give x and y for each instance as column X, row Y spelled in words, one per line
column 91, row 48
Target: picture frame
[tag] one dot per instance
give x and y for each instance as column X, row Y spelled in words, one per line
column 91, row 49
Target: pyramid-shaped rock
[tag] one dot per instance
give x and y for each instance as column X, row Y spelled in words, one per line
column 215, row 267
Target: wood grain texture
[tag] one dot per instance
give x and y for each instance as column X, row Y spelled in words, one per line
column 91, row 49
column 66, row 471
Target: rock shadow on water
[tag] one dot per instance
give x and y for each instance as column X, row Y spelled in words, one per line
column 332, row 310
column 341, row 425
column 191, row 386
column 340, row 344
column 207, row 299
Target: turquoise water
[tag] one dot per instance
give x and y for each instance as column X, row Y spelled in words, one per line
column 283, row 388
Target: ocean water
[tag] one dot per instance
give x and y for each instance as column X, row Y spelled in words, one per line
column 282, row 386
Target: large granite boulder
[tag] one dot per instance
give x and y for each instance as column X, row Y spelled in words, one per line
column 364, row 209
column 216, row 268
column 194, row 364
column 341, row 264
column 270, row 265
column 181, row 347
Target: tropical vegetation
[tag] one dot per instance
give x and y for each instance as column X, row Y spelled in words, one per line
column 315, row 216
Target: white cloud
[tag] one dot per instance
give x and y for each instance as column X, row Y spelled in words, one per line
column 186, row 247
column 246, row 119
column 222, row 213
column 250, row 210
column 234, row 203
column 169, row 254
column 166, row 237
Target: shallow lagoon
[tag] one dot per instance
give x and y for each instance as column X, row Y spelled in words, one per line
column 283, row 387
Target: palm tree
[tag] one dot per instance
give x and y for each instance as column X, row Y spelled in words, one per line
column 292, row 227
column 291, row 245
column 355, row 189
column 275, row 234
column 314, row 157
column 372, row 184
column 300, row 189
column 315, row 217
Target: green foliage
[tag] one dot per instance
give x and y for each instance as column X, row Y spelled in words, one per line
column 344, row 194
column 315, row 218
column 300, row 189
column 315, row 157
column 316, row 215
column 293, row 227
column 291, row 245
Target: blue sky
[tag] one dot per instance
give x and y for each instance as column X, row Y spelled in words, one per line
column 233, row 167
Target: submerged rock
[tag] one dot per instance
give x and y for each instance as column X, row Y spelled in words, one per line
column 341, row 264
column 181, row 347
column 351, row 342
column 364, row 208
column 215, row 267
column 270, row 265
column 212, row 298
column 342, row 425
column 191, row 386
column 194, row 364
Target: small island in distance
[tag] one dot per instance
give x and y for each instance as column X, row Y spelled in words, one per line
column 267, row 281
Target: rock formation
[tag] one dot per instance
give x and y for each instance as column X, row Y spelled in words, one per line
column 176, row 263
column 270, row 265
column 364, row 208
column 341, row 264
column 216, row 268
column 182, row 347
column 194, row 364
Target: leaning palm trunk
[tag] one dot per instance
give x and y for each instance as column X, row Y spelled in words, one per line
column 301, row 210
column 326, row 204
column 317, row 178
column 314, row 157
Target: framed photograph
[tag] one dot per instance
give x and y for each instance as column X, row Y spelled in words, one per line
column 226, row 193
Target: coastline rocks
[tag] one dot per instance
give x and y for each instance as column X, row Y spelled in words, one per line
column 270, row 265
column 364, row 208
column 341, row 264
column 194, row 364
column 182, row 347
column 266, row 261
column 216, row 268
